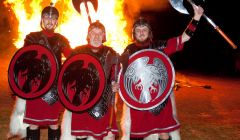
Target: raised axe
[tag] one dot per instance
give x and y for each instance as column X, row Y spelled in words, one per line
column 76, row 4
column 178, row 5
column 116, row 72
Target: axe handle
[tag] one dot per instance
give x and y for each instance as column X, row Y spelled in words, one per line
column 112, row 105
column 217, row 29
column 220, row 32
column 89, row 18
column 116, row 70
column 226, row 37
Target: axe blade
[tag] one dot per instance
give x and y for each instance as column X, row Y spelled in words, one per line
column 178, row 5
column 76, row 4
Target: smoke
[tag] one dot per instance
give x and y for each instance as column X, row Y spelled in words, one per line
column 133, row 9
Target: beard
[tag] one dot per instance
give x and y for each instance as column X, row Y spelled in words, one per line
column 49, row 28
column 95, row 43
column 143, row 43
column 143, row 38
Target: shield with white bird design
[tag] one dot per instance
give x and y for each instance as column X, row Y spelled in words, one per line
column 148, row 80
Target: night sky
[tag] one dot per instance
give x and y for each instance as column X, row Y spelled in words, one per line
column 207, row 52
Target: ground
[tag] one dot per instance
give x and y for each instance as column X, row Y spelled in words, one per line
column 209, row 114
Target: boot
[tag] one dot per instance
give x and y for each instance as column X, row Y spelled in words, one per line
column 33, row 134
column 54, row 134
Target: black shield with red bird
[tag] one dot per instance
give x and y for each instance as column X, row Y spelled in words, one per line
column 32, row 71
column 81, row 82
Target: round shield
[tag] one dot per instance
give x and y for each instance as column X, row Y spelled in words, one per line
column 148, row 80
column 81, row 82
column 32, row 71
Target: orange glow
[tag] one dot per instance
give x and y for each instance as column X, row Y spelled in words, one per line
column 71, row 24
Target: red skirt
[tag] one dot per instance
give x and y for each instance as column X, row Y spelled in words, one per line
column 85, row 125
column 38, row 112
column 144, row 123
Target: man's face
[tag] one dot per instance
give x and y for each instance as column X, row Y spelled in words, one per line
column 96, row 36
column 141, row 33
column 49, row 22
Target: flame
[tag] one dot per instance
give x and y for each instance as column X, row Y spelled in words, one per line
column 72, row 24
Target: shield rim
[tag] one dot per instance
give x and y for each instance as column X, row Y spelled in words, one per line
column 53, row 75
column 120, row 77
column 102, row 87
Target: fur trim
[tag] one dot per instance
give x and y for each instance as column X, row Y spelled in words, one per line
column 20, row 105
column 16, row 125
column 90, row 138
column 110, row 136
column 66, row 126
column 172, row 96
column 175, row 135
column 151, row 137
column 125, row 123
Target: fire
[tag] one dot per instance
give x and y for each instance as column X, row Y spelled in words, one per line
column 72, row 24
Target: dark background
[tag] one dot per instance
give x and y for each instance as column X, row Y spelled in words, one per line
column 207, row 51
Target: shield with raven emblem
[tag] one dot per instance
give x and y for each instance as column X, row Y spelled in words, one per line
column 148, row 80
column 81, row 82
column 32, row 71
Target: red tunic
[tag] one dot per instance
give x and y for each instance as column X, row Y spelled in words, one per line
column 165, row 121
column 38, row 112
column 83, row 124
column 144, row 123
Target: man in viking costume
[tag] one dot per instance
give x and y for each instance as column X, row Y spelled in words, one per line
column 43, row 110
column 99, row 121
column 160, row 121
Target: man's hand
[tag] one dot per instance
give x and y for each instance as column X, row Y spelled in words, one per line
column 198, row 12
column 115, row 86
